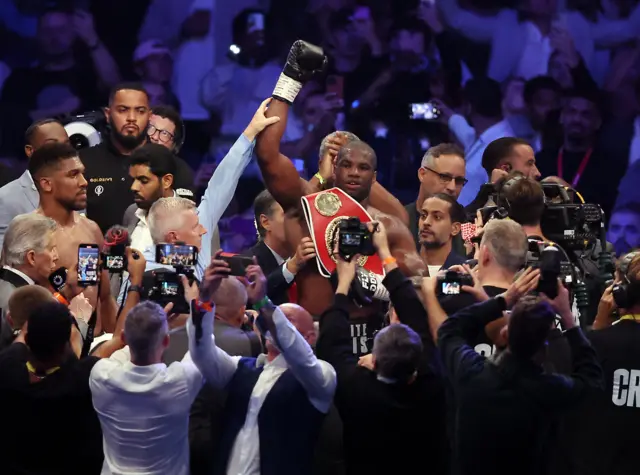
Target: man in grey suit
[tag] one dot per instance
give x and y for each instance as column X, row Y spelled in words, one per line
column 20, row 196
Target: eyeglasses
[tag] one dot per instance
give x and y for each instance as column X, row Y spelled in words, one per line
column 445, row 178
column 164, row 135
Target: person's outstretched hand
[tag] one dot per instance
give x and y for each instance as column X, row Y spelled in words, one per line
column 523, row 285
column 213, row 275
column 260, row 121
column 346, row 271
column 255, row 282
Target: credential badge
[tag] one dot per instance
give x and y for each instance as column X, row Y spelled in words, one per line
column 328, row 203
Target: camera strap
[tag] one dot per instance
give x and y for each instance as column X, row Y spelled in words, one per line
column 88, row 340
column 583, row 164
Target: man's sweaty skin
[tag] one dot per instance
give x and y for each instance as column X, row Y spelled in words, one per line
column 315, row 292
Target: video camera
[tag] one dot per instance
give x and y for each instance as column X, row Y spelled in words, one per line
column 85, row 130
column 167, row 286
column 354, row 238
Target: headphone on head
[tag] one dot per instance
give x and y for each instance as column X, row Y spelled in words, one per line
column 626, row 294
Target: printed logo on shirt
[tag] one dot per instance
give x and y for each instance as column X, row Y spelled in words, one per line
column 485, row 350
column 99, row 190
column 100, row 180
column 626, row 388
column 360, row 339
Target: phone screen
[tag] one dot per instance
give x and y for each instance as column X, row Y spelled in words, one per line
column 114, row 263
column 424, row 111
column 335, row 85
column 169, row 289
column 88, row 262
column 176, row 255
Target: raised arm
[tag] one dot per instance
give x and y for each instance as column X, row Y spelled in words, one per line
column 279, row 173
column 475, row 27
column 317, row 377
column 223, row 183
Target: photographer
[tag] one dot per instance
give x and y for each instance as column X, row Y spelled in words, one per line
column 511, row 399
column 404, row 390
column 502, row 253
column 616, row 410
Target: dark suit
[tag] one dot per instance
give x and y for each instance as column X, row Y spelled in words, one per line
column 277, row 285
column 9, row 282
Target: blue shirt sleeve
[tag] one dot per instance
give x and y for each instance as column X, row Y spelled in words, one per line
column 219, row 193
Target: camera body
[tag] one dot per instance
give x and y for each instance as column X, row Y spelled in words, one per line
column 574, row 226
column 354, row 238
column 85, row 130
column 167, row 286
column 452, row 282
column 553, row 264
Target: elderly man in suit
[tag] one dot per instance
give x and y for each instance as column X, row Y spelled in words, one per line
column 20, row 196
column 29, row 256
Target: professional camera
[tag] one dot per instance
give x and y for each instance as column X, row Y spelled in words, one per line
column 85, row 130
column 452, row 282
column 354, row 238
column 167, row 286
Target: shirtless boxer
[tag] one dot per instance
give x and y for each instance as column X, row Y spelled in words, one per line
column 355, row 175
column 58, row 174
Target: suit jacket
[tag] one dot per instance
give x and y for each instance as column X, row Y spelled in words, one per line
column 18, row 197
column 277, row 285
column 6, row 289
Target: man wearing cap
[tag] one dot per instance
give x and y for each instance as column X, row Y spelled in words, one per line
column 153, row 64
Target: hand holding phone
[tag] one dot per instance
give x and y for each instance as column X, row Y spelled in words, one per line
column 238, row 264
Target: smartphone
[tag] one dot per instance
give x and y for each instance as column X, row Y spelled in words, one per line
column 176, row 255
column 237, row 263
column 335, row 85
column 88, row 264
column 424, row 111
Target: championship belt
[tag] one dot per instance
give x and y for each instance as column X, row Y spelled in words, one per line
column 323, row 212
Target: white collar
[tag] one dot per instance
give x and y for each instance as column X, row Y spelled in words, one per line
column 277, row 362
column 279, row 258
column 21, row 274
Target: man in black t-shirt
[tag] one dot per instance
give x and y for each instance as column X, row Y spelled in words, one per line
column 45, row 391
column 107, row 164
column 502, row 253
column 592, row 168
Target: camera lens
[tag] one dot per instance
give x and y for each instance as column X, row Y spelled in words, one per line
column 79, row 141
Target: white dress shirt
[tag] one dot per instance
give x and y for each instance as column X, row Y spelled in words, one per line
column 534, row 60
column 288, row 276
column 144, row 414
column 316, row 376
column 474, row 148
column 141, row 236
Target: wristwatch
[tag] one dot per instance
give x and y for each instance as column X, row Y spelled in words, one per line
column 135, row 288
column 502, row 301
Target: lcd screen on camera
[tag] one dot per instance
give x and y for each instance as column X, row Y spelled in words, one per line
column 176, row 255
column 169, row 289
column 450, row 288
column 348, row 239
column 115, row 262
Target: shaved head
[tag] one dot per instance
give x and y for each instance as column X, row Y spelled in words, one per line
column 302, row 320
column 231, row 301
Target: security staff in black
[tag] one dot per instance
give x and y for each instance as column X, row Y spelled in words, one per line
column 603, row 431
column 107, row 167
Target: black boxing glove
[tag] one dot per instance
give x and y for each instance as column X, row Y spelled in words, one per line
column 304, row 61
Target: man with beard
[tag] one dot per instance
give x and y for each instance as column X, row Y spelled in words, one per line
column 589, row 166
column 624, row 228
column 58, row 174
column 355, row 175
column 107, row 169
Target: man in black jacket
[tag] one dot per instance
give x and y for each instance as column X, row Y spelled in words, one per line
column 272, row 249
column 393, row 416
column 506, row 409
